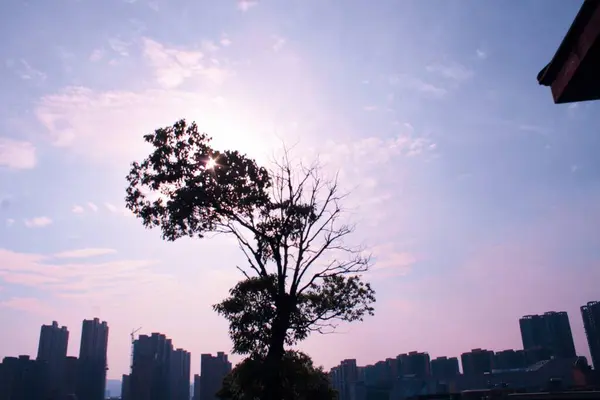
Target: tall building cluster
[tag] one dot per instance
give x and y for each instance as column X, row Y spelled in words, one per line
column 548, row 350
column 55, row 376
column 158, row 372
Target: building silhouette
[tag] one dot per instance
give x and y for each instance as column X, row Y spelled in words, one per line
column 477, row 361
column 510, row 359
column 22, row 379
column 126, row 387
column 414, row 364
column 92, row 366
column 344, row 377
column 444, row 367
column 51, row 355
column 180, row 375
column 212, row 372
column 550, row 331
column 591, row 322
column 196, row 395
column 151, row 362
column 158, row 372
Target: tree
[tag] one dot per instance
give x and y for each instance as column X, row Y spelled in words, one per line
column 301, row 380
column 301, row 275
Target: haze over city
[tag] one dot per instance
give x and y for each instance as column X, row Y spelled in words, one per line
column 478, row 197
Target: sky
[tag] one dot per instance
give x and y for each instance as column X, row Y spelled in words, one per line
column 478, row 197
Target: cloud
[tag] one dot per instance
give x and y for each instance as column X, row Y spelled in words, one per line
column 27, row 72
column 225, row 42
column 37, row 222
column 390, row 262
column 370, row 108
column 97, row 55
column 279, row 42
column 417, row 84
column 10, row 222
column 209, row 46
column 78, row 278
column 118, row 210
column 90, row 123
column 92, row 206
column 119, row 46
column 173, row 66
column 482, row 55
column 27, row 304
column 454, row 71
column 15, row 154
column 77, row 209
column 85, row 253
column 245, row 5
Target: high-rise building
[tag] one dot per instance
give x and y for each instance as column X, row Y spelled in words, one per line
column 344, row 377
column 125, row 387
column 212, row 372
column 551, row 331
column 415, row 364
column 52, row 353
column 71, row 376
column 591, row 322
column 150, row 378
column 22, row 378
column 510, row 359
column 477, row 361
column 196, row 395
column 180, row 375
column 92, row 360
column 158, row 372
column 444, row 367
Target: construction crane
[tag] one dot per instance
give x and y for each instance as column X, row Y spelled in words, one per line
column 133, row 332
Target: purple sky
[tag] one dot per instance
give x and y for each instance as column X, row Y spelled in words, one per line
column 479, row 197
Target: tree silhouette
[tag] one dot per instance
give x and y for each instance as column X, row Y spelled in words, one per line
column 300, row 379
column 300, row 275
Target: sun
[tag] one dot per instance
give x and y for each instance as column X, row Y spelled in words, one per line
column 211, row 163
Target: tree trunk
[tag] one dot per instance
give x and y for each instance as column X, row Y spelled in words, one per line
column 273, row 388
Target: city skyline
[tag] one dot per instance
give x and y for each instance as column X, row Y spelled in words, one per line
column 478, row 196
column 545, row 339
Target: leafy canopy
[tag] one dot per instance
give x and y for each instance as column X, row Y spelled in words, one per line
column 300, row 275
column 300, row 380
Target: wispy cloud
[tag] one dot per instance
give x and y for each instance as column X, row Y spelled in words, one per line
column 452, row 71
column 173, row 66
column 119, row 46
column 117, row 210
column 225, row 41
column 278, row 43
column 38, row 222
column 26, row 71
column 245, row 5
column 370, row 108
column 414, row 83
column 97, row 55
column 28, row 304
column 39, row 271
column 482, row 55
column 16, row 154
column 10, row 222
column 77, row 209
column 85, row 253
column 92, row 206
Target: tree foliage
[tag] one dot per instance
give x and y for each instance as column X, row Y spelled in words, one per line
column 300, row 275
column 300, row 379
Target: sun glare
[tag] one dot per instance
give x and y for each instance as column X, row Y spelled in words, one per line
column 211, row 163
